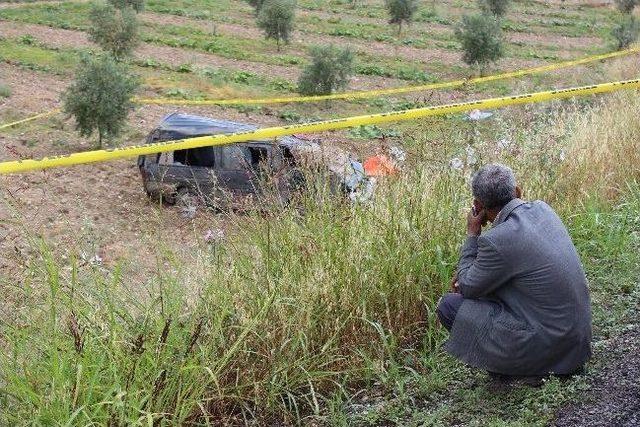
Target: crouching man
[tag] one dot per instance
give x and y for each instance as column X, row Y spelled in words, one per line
column 519, row 305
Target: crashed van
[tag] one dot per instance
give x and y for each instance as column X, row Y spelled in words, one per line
column 234, row 175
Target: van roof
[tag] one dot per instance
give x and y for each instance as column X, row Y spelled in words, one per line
column 188, row 125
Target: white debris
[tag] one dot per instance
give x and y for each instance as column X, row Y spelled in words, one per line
column 398, row 154
column 96, row 260
column 456, row 164
column 503, row 144
column 471, row 155
column 476, row 115
column 562, row 156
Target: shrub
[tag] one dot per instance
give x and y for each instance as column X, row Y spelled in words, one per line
column 626, row 6
column 494, row 7
column 329, row 70
column 256, row 4
column 100, row 97
column 114, row 30
column 28, row 40
column 401, row 11
column 5, row 91
column 481, row 40
column 276, row 18
column 626, row 32
column 137, row 5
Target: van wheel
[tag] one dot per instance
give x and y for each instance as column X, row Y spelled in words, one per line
column 170, row 198
column 184, row 197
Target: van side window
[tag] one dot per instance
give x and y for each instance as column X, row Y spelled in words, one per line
column 259, row 158
column 202, row 157
column 234, row 157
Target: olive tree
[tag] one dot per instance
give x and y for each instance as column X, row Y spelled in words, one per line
column 276, row 19
column 137, row 5
column 114, row 30
column 401, row 11
column 100, row 97
column 330, row 70
column 626, row 6
column 481, row 40
column 626, row 32
column 496, row 8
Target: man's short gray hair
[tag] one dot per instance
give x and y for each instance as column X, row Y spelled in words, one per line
column 494, row 185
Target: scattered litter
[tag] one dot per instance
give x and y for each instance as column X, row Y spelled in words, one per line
column 398, row 154
column 380, row 165
column 503, row 144
column 456, row 163
column 95, row 260
column 471, row 155
column 353, row 179
column 476, row 115
column 365, row 192
column 562, row 156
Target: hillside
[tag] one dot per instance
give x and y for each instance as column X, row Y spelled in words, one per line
column 119, row 310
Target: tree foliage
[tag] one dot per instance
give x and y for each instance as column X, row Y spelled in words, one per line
column 481, row 40
column 330, row 70
column 137, row 5
column 626, row 32
column 114, row 30
column 626, row 6
column 100, row 97
column 401, row 11
column 276, row 19
column 256, row 4
column 496, row 8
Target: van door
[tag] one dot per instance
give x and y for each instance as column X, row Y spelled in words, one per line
column 193, row 169
column 233, row 169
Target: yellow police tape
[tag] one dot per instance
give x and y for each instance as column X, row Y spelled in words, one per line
column 363, row 94
column 28, row 119
column 320, row 126
column 393, row 91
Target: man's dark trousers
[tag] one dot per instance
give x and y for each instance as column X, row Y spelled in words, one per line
column 448, row 307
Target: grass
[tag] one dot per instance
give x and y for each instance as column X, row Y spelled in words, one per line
column 289, row 316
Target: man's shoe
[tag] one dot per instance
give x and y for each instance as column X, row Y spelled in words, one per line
column 532, row 381
column 501, row 382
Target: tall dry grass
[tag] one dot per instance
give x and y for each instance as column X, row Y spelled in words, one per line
column 294, row 306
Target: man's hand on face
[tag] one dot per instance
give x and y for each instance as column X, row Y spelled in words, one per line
column 475, row 222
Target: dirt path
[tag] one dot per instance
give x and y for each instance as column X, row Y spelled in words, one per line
column 614, row 397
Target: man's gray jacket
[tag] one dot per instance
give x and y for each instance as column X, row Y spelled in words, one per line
column 526, row 308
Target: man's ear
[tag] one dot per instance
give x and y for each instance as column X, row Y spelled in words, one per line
column 518, row 192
